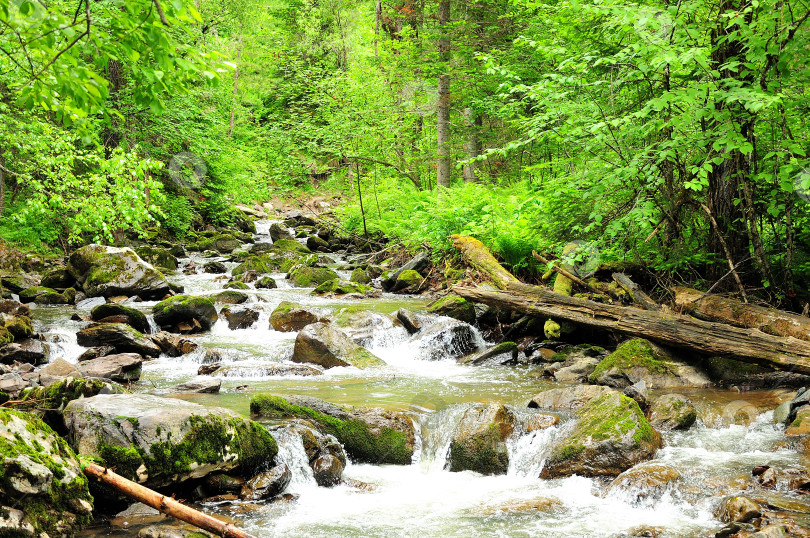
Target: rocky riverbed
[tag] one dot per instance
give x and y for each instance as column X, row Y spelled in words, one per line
column 294, row 382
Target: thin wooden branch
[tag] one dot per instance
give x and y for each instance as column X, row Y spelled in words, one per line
column 634, row 291
column 559, row 269
column 164, row 504
column 160, row 13
column 726, row 250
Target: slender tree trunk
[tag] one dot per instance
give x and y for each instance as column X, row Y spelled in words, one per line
column 472, row 122
column 377, row 17
column 443, row 165
column 111, row 136
column 235, row 87
column 2, row 183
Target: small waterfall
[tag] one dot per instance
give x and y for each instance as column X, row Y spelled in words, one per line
column 437, row 432
column 291, row 452
column 528, row 452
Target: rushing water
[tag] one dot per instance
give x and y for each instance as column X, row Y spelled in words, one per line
column 424, row 499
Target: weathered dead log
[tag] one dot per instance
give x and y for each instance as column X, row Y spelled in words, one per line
column 634, row 291
column 725, row 310
column 664, row 327
column 166, row 505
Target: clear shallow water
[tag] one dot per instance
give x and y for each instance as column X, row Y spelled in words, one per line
column 714, row 458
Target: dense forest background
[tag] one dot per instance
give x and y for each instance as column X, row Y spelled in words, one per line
column 670, row 133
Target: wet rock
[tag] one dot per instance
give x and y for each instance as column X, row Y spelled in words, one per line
column 364, row 326
column 266, row 283
column 29, row 294
column 290, row 245
column 56, row 395
column 124, row 368
column 237, row 285
column 337, row 287
column 159, row 257
column 727, row 371
column 781, row 415
column 368, row 435
column 327, row 469
column 289, row 317
column 44, row 490
column 173, row 345
column 418, row 263
column 12, row 383
column 645, row 480
column 479, row 441
column 27, row 350
column 765, row 476
column 309, row 277
column 316, row 244
column 222, row 243
column 265, row 370
column 132, row 317
column 198, row 312
column 530, row 506
column 360, row 276
column 68, row 297
column 120, row 336
column 408, row 282
column 575, row 369
column 738, row 509
column 799, row 426
column 230, row 297
column 56, row 370
column 279, row 231
column 636, row 360
column 453, row 306
column 267, row 485
column 412, row 322
column 672, row 412
column 108, row 271
column 447, row 338
column 208, row 369
column 609, row 436
column 239, row 318
column 19, row 282
column 58, row 278
column 638, row 391
column 200, row 385
column 171, row 531
column 327, row 346
column 503, row 353
column 216, row 268
column 158, row 441
column 221, row 484
column 540, row 421
column 14, row 308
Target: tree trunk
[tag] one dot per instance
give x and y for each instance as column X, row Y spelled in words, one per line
column 663, row 327
column 726, row 310
column 235, row 87
column 472, row 146
column 111, row 136
column 2, row 183
column 165, row 504
column 443, row 165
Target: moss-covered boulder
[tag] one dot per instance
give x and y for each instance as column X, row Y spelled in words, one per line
column 294, row 260
column 453, row 306
column 610, row 433
column 222, row 243
column 236, row 285
column 291, row 245
column 337, row 286
column 408, row 282
column 316, row 244
column 55, row 298
column 185, row 313
column 359, row 276
column 58, row 278
column 479, row 441
column 279, row 231
column 266, row 283
column 327, row 346
column 131, row 316
column 43, row 491
column 289, row 317
column 120, row 336
column 260, row 264
column 239, row 317
column 28, row 295
column 158, row 441
column 446, row 339
column 368, row 435
column 640, row 360
column 672, row 412
column 109, row 272
column 730, row 372
column 159, row 257
column 230, row 297
column 417, row 263
column 17, row 282
column 19, row 326
column 308, row 277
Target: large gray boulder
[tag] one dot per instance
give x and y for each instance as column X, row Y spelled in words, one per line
column 479, row 441
column 43, row 491
column 610, row 433
column 124, row 367
column 327, row 346
column 104, row 271
column 185, row 313
column 122, row 337
column 159, row 441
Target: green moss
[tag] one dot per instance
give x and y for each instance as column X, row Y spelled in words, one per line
column 480, row 454
column 337, row 286
column 359, row 276
column 307, row 277
column 291, row 246
column 57, row 395
column 5, row 336
column 453, row 306
column 237, row 285
column 360, row 443
column 631, row 354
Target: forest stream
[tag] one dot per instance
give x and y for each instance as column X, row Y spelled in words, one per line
column 733, row 434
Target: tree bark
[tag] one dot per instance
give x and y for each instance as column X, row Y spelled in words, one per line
column 472, row 146
column 235, row 87
column 663, row 327
column 443, row 165
column 636, row 295
column 726, row 310
column 165, row 504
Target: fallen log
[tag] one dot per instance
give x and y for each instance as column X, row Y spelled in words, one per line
column 634, row 291
column 725, row 310
column 664, row 327
column 166, row 505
